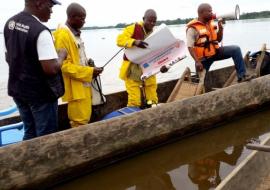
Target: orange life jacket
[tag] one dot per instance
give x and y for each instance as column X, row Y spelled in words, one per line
column 207, row 44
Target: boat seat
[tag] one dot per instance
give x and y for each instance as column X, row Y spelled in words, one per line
column 121, row 112
column 10, row 133
column 188, row 86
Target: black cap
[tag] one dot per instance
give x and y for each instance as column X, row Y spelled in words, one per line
column 55, row 2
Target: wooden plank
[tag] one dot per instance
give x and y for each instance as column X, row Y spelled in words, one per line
column 259, row 147
column 186, row 88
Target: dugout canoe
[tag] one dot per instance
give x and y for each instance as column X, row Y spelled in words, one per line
column 48, row 160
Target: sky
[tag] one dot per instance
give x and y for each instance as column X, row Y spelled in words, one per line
column 112, row 12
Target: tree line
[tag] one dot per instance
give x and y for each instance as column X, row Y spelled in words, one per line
column 252, row 15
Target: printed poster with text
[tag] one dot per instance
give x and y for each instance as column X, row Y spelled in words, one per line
column 163, row 49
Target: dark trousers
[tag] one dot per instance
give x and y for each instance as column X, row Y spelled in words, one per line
column 38, row 118
column 227, row 52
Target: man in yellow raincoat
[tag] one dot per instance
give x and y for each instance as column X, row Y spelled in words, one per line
column 134, row 35
column 76, row 71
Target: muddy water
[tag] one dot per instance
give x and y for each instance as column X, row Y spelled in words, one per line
column 197, row 162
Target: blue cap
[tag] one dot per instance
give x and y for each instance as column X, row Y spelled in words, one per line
column 55, row 2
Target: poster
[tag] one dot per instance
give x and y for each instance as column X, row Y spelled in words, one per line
column 163, row 49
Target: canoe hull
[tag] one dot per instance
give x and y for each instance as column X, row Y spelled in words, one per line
column 70, row 153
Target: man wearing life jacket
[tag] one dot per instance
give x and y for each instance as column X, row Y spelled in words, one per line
column 134, row 35
column 203, row 38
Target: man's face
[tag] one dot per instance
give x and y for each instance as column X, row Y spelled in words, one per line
column 45, row 10
column 150, row 22
column 207, row 13
column 78, row 19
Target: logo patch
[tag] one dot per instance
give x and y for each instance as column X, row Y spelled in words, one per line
column 11, row 24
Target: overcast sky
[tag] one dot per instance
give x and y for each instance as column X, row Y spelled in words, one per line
column 112, row 12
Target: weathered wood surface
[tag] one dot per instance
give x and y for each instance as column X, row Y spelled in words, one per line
column 47, row 160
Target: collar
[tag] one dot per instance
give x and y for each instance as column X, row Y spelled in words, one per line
column 74, row 32
column 144, row 31
column 36, row 18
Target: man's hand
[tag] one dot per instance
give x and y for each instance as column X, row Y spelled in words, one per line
column 199, row 66
column 62, row 54
column 220, row 23
column 140, row 44
column 164, row 69
column 97, row 71
column 91, row 62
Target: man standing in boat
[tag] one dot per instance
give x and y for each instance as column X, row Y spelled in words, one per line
column 203, row 38
column 35, row 80
column 134, row 35
column 77, row 72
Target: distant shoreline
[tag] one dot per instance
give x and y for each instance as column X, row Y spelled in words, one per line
column 244, row 16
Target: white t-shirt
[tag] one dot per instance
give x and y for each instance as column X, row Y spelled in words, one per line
column 192, row 37
column 45, row 46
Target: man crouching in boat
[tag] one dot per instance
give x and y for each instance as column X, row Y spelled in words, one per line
column 134, row 35
column 76, row 71
column 203, row 39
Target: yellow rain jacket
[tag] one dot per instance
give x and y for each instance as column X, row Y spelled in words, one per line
column 125, row 39
column 74, row 74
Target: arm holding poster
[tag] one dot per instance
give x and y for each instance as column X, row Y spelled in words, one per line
column 163, row 50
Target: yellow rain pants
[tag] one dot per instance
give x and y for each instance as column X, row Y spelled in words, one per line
column 79, row 111
column 134, row 91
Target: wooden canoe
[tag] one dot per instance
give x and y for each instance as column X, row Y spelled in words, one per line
column 69, row 153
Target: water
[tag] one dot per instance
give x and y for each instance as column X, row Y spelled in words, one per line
column 197, row 162
column 101, row 46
